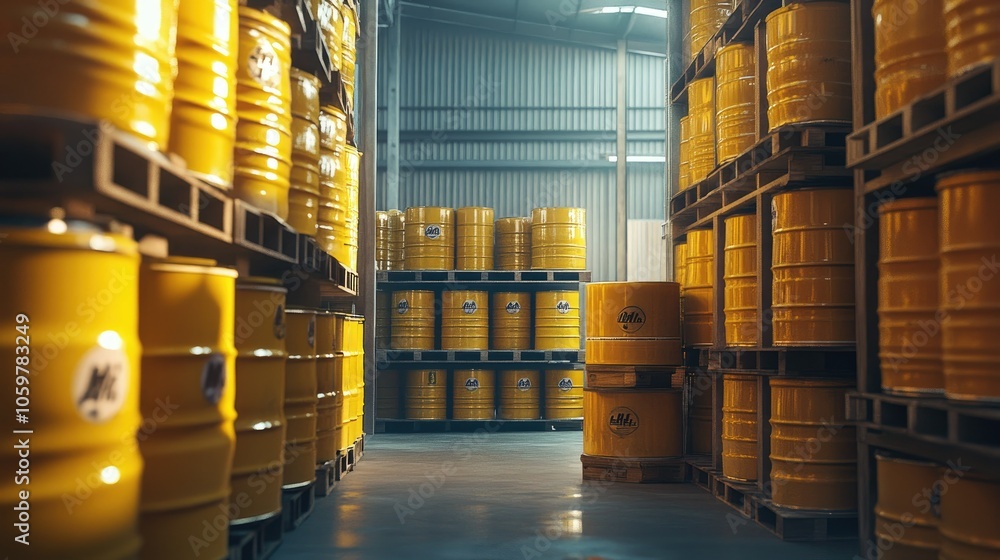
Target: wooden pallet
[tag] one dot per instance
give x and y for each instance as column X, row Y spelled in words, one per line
column 636, row 471
column 265, row 232
column 803, row 525
column 396, row 277
column 829, row 361
column 257, row 540
column 648, row 377
column 296, row 505
column 326, row 478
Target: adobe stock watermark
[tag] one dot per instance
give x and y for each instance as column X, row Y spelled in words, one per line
column 46, row 11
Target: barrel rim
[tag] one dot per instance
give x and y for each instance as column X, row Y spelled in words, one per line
column 960, row 177
column 916, row 203
column 189, row 265
column 801, row 6
column 260, row 16
column 883, row 455
column 828, row 382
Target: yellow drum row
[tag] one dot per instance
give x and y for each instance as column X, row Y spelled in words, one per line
column 466, row 319
column 514, row 394
column 389, row 232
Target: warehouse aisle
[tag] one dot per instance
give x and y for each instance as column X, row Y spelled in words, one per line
column 519, row 496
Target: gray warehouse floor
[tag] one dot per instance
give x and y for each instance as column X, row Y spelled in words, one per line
column 520, row 496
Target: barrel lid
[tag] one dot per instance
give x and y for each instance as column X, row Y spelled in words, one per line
column 958, row 178
column 65, row 234
column 921, row 203
column 811, row 382
column 189, row 265
column 262, row 17
column 302, row 75
column 900, row 458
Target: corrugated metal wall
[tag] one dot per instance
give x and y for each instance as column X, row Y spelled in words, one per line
column 502, row 121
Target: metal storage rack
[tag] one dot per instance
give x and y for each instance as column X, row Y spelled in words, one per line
column 965, row 114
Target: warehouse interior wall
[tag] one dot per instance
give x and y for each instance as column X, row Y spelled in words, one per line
column 514, row 123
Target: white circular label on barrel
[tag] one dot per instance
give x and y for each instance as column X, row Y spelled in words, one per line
column 513, row 307
column 432, row 231
column 623, row 421
column 469, row 307
column 524, row 384
column 263, row 64
column 563, row 306
column 402, row 307
column 472, row 384
column 565, row 384
column 213, row 378
column 101, row 382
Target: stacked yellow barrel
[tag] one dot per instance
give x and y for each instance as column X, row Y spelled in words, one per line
column 389, row 240
column 303, row 198
column 511, row 321
column 326, row 389
column 699, row 292
column 557, row 320
column 513, row 244
column 684, row 155
column 633, row 323
column 300, row 399
column 910, row 58
column 701, row 120
column 465, row 320
column 707, row 17
column 474, row 238
column 350, row 345
column 331, row 20
column 559, row 238
column 348, row 51
column 520, row 395
column 971, row 40
column 426, row 395
column 263, row 157
column 740, row 275
column 735, row 100
column 429, row 239
column 473, row 394
column 413, row 317
column 739, row 426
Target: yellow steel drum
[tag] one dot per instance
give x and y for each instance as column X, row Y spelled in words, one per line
column 740, row 275
column 263, row 104
column 736, row 99
column 465, row 320
column 969, row 513
column 118, row 65
column 260, row 396
column 970, row 30
column 559, row 238
column 557, row 321
column 563, row 394
column 203, row 119
column 707, row 17
column 473, row 394
column 632, row 422
column 413, row 320
column 340, row 388
column 910, row 58
column 348, row 51
column 739, row 426
column 699, row 294
column 513, row 244
column 188, row 357
column 634, row 323
column 908, row 287
column 701, row 120
column 303, row 198
column 305, row 95
column 511, row 321
column 911, row 532
column 700, row 420
column 85, row 464
column 427, row 394
column 813, row 267
column 474, row 238
column 813, row 448
column 429, row 239
column 684, row 155
column 809, row 63
column 389, row 240
column 520, row 395
column 300, row 399
column 383, row 319
column 970, row 236
column 354, row 374
column 387, row 394
column 397, row 227
column 332, row 22
column 345, row 226
column 333, row 128
column 326, row 391
column 680, row 265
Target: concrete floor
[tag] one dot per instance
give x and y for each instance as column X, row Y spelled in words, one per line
column 520, row 496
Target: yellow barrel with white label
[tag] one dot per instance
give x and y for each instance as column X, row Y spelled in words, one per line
column 813, row 268
column 300, row 399
column 970, row 30
column 632, row 423
column 387, row 394
column 520, row 395
column 739, row 426
column 911, row 532
column 332, row 21
column 910, row 57
column 809, row 63
column 969, row 513
column 333, row 128
column 474, row 238
column 465, row 320
column 429, row 239
column 563, row 394
column 813, row 447
column 188, row 358
column 557, row 320
column 736, row 99
column 303, row 198
column 706, row 18
column 702, row 144
column 473, row 394
column 634, row 323
column 908, row 297
column 559, row 238
column 970, row 295
column 203, row 117
column 413, row 320
column 326, row 392
column 511, row 321
column 427, row 394
column 260, row 392
column 83, row 404
column 740, row 276
column 263, row 106
column 684, row 154
column 111, row 60
column 513, row 244
column 699, row 292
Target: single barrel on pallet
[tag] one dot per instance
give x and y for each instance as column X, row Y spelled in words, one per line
column 633, row 323
column 473, row 394
column 970, row 239
column 300, row 399
column 559, row 238
column 701, row 115
column 260, row 390
column 911, row 531
column 740, row 275
column 520, row 395
column 908, row 297
column 474, row 238
column 188, row 355
column 465, row 320
column 426, row 394
column 739, row 426
column 413, row 320
column 910, row 58
column 513, row 244
column 511, row 321
column 699, row 291
column 813, row 267
column 969, row 513
column 303, row 196
column 90, row 430
column 557, row 320
column 735, row 99
column 429, row 239
column 563, row 394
